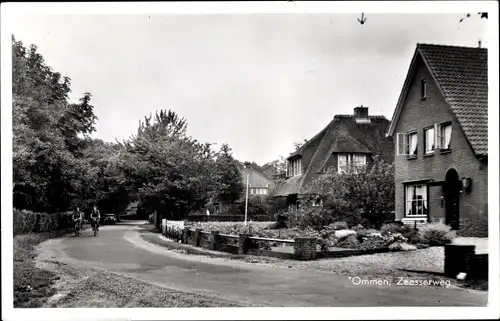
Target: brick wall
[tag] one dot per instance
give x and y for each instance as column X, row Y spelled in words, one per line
column 418, row 114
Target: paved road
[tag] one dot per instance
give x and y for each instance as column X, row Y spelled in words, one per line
column 121, row 249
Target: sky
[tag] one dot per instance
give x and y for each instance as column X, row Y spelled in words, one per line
column 256, row 82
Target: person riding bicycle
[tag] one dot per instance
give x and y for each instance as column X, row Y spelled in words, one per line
column 95, row 216
column 77, row 216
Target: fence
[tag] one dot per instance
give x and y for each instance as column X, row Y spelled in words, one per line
column 298, row 249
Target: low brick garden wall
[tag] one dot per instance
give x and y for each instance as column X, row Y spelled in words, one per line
column 299, row 248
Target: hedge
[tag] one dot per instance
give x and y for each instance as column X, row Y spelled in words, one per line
column 25, row 221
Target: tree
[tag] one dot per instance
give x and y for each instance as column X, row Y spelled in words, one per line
column 275, row 169
column 47, row 175
column 169, row 171
column 365, row 193
column 228, row 180
column 298, row 145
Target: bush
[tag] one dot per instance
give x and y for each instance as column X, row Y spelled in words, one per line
column 374, row 242
column 25, row 221
column 314, row 218
column 436, row 234
column 350, row 242
column 391, row 228
column 341, row 225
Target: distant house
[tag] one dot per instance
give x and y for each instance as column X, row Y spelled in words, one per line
column 441, row 133
column 258, row 182
column 259, row 185
column 347, row 139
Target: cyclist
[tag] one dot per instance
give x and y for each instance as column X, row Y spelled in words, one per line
column 77, row 217
column 95, row 216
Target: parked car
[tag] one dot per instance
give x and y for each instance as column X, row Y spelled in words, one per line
column 110, row 219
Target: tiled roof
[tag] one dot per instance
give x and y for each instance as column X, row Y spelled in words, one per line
column 462, row 74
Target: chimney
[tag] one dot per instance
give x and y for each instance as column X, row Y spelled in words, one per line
column 361, row 112
column 479, row 43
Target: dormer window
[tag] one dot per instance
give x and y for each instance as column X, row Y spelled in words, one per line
column 355, row 161
column 294, row 167
column 423, row 89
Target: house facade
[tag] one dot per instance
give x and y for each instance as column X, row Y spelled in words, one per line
column 347, row 139
column 440, row 131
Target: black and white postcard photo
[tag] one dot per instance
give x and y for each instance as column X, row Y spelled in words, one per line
column 281, row 160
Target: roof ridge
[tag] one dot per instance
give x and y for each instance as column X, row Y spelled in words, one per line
column 419, row 45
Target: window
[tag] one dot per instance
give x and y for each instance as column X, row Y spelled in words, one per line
column 412, row 144
column 359, row 160
column 423, row 89
column 295, row 167
column 416, row 200
column 444, row 136
column 342, row 161
column 345, row 160
column 429, row 140
column 407, row 144
column 318, row 202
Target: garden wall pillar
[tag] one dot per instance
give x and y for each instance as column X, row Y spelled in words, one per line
column 243, row 243
column 305, row 248
column 197, row 237
column 214, row 239
column 185, row 235
column 457, row 259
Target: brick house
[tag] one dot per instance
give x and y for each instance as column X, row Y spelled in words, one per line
column 347, row 139
column 441, row 135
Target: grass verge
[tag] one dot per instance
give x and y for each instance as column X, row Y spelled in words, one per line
column 32, row 285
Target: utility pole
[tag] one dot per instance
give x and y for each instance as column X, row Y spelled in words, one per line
column 246, row 197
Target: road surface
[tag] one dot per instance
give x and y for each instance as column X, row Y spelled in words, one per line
column 120, row 250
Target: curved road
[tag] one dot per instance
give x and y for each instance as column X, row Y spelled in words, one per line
column 121, row 249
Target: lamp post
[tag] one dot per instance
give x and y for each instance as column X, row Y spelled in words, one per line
column 246, row 197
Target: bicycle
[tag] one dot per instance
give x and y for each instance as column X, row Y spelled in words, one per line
column 95, row 227
column 77, row 227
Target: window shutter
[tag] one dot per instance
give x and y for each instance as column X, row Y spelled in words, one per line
column 402, row 142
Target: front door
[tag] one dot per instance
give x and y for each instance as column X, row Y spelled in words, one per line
column 452, row 188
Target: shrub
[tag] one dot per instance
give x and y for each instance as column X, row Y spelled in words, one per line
column 412, row 235
column 25, row 221
column 436, row 234
column 341, row 225
column 350, row 242
column 374, row 242
column 357, row 194
column 313, row 218
column 391, row 228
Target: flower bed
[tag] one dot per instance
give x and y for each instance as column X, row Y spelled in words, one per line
column 337, row 235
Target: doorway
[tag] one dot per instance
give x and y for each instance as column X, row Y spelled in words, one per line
column 451, row 191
